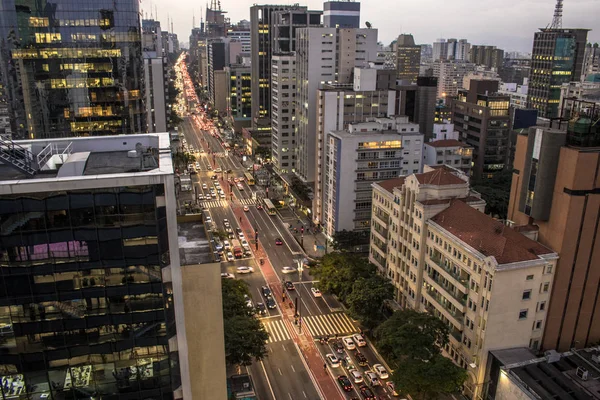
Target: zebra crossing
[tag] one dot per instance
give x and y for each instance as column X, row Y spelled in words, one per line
column 276, row 330
column 247, row 202
column 213, row 203
column 329, row 324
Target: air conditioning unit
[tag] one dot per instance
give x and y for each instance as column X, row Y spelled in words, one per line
column 582, row 373
column 552, row 356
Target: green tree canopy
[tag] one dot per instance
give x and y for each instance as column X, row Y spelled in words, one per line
column 367, row 297
column 337, row 273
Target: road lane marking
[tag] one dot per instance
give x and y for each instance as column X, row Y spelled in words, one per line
column 304, row 393
column 280, row 373
column 293, row 369
column 262, row 364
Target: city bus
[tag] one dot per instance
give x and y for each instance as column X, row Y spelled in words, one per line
column 269, row 207
column 249, row 178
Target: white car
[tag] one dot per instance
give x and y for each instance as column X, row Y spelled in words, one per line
column 200, row 196
column 204, row 186
column 226, row 223
column 359, row 340
column 246, row 209
column 227, row 275
column 356, row 376
column 244, row 243
column 316, row 292
column 222, row 195
column 226, row 244
column 333, row 361
column 218, row 170
column 197, row 165
column 349, row 343
column 245, row 270
column 288, row 270
column 380, row 371
column 230, row 256
column 372, row 378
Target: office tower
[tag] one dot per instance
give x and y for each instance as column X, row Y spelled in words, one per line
column 591, row 61
column 557, row 58
column 264, row 37
column 283, row 111
column 196, row 53
column 440, row 50
column 555, row 190
column 324, row 56
column 488, row 282
column 418, row 102
column 72, row 70
column 450, row 76
column 482, row 118
column 371, row 95
column 240, row 96
column 91, row 297
column 426, row 52
column 217, row 61
column 155, row 77
column 451, row 49
column 516, row 92
column 358, row 156
column 408, row 58
column 489, row 56
column 341, row 14
column 241, row 33
column 216, row 24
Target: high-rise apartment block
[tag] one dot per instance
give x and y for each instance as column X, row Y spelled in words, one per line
column 324, row 56
column 73, row 70
column 591, row 62
column 482, row 117
column 557, row 58
column 155, row 77
column 450, row 75
column 283, row 112
column 358, row 156
column 408, row 58
column 217, row 61
column 488, row 56
column 239, row 100
column 370, row 96
column 341, row 14
column 489, row 283
column 555, row 189
column 451, row 49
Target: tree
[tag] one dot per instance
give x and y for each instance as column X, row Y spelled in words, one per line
column 346, row 241
column 337, row 273
column 496, row 192
column 427, row 380
column 234, row 303
column 221, row 235
column 411, row 334
column 367, row 297
column 245, row 339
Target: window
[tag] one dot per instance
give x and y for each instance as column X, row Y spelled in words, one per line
column 545, row 287
column 529, row 277
column 548, row 269
column 526, row 294
column 523, row 314
column 542, row 306
column 537, row 325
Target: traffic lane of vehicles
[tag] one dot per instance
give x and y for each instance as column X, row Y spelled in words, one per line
column 316, row 305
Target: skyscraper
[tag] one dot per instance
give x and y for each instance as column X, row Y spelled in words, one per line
column 408, row 58
column 73, row 68
column 341, row 14
column 489, row 56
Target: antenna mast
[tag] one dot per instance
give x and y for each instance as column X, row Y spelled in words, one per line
column 557, row 20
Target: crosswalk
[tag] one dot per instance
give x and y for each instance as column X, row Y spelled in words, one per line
column 329, row 324
column 224, row 203
column 276, row 330
column 247, row 202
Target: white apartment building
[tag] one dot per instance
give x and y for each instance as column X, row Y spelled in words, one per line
column 589, row 91
column 451, row 49
column 283, row 112
column 489, row 283
column 355, row 158
column 517, row 93
column 451, row 152
column 450, row 76
column 444, row 130
column 324, row 55
column 342, row 104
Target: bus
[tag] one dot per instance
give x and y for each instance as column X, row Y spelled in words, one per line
column 249, row 178
column 269, row 207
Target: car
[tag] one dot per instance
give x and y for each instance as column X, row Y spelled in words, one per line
column 278, row 242
column 261, row 309
column 392, row 388
column 238, row 231
column 359, row 340
column 236, row 180
column 226, row 244
column 265, row 291
column 316, row 292
column 380, row 371
column 214, row 177
column 244, row 243
column 372, row 378
column 244, row 270
column 230, row 233
column 289, row 285
column 259, row 207
column 366, row 393
column 218, row 245
column 345, row 383
column 356, row 376
column 204, row 186
column 246, row 208
column 197, row 164
column 271, row 302
column 338, row 346
column 216, row 257
column 218, row 170
column 209, row 167
column 227, row 275
column 248, row 301
column 240, row 187
column 360, row 357
column 221, row 195
column 288, row 270
column 349, row 343
column 217, row 185
column 230, row 256
column 213, row 195
column 332, row 360
column 226, row 223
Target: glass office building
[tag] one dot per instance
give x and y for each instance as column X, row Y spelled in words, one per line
column 72, row 67
column 84, row 309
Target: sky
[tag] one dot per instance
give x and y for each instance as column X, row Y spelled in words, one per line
column 507, row 24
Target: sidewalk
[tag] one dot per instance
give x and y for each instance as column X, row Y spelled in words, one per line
column 308, row 240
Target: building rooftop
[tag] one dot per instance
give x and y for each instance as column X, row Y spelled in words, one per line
column 439, row 177
column 390, row 184
column 447, row 143
column 487, row 235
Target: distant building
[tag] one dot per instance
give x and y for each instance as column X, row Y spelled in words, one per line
column 517, row 93
column 155, row 78
column 488, row 56
column 442, row 114
column 450, row 76
column 241, row 33
column 418, row 102
column 283, row 112
column 451, row 49
column 571, row 92
column 341, row 14
column 408, row 59
column 451, row 152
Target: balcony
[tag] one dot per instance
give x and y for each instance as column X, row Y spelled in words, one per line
column 456, row 334
column 382, row 218
column 438, row 283
column 381, row 231
column 447, row 308
column 458, row 279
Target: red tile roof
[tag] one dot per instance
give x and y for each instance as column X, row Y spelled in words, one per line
column 447, row 143
column 439, row 177
column 390, row 184
column 488, row 235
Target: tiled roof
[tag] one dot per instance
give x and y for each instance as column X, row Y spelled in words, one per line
column 488, row 235
column 390, row 184
column 440, row 177
column 469, row 199
column 447, row 143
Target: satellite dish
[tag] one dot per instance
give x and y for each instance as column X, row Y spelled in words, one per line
column 368, row 24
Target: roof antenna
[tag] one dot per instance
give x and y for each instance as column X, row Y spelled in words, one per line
column 557, row 20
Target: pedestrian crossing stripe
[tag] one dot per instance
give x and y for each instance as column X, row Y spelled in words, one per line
column 276, row 330
column 329, row 324
column 247, row 202
column 213, row 203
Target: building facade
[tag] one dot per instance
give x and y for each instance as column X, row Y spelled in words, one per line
column 240, row 96
column 488, row 56
column 341, row 14
column 408, row 58
column 591, row 61
column 451, row 152
column 488, row 282
column 557, row 58
column 51, row 91
column 283, row 112
column 451, row 49
column 450, row 75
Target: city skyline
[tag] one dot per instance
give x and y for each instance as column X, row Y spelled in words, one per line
column 516, row 34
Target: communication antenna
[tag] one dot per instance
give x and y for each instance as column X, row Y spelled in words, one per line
column 557, row 20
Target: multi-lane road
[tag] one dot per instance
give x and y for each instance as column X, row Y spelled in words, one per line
column 294, row 368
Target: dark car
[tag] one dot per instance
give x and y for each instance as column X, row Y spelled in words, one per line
column 278, row 242
column 271, row 302
column 338, row 346
column 260, row 309
column 259, row 207
column 360, row 357
column 366, row 393
column 289, row 285
column 345, row 383
column 265, row 291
